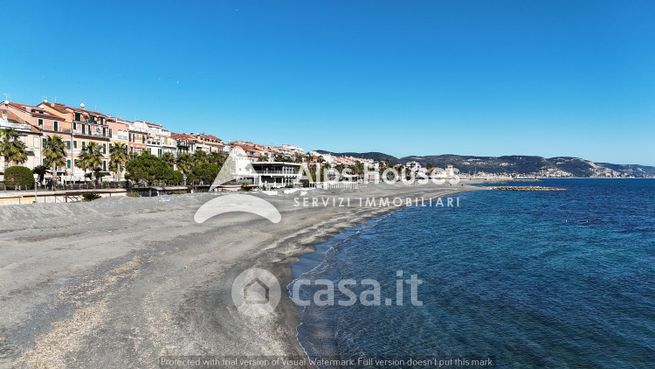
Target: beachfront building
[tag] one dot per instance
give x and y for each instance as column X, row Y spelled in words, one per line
column 186, row 143
column 83, row 127
column 270, row 174
column 138, row 135
column 210, row 143
column 29, row 135
column 119, row 130
column 45, row 122
column 158, row 139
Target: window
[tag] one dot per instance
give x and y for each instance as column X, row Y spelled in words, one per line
column 83, row 144
column 68, row 163
column 68, row 145
column 74, row 125
column 44, row 141
column 40, row 122
column 104, row 148
column 77, row 117
column 75, row 144
column 56, row 126
column 104, row 165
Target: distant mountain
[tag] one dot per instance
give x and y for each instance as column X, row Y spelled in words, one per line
column 633, row 170
column 518, row 165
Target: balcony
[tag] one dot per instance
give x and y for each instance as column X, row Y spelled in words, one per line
column 17, row 126
column 90, row 130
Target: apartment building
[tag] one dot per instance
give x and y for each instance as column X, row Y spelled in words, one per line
column 29, row 134
column 119, row 130
column 84, row 126
column 291, row 150
column 137, row 136
column 255, row 152
column 185, row 143
column 210, row 142
column 159, row 140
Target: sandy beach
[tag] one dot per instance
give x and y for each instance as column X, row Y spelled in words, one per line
column 119, row 283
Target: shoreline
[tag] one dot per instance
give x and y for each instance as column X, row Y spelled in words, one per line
column 290, row 309
column 153, row 282
column 320, row 260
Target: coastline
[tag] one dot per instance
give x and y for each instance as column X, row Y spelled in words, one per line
column 146, row 282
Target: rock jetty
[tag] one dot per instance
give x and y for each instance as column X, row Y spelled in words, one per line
column 527, row 188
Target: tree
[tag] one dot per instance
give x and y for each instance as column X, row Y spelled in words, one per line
column 117, row 158
column 185, row 164
column 19, row 178
column 11, row 147
column 217, row 158
column 200, row 157
column 284, row 158
column 54, row 154
column 40, row 171
column 204, row 173
column 314, row 170
column 169, row 159
column 357, row 168
column 91, row 159
column 150, row 170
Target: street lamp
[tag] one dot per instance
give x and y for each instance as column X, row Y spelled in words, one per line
column 36, row 182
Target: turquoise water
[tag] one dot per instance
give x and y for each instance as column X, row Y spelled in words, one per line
column 528, row 279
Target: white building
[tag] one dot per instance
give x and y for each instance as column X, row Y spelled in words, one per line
column 29, row 135
column 291, row 150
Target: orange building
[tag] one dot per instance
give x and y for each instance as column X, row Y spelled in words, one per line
column 83, row 127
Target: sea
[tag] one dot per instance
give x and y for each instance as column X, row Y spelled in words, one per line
column 561, row 279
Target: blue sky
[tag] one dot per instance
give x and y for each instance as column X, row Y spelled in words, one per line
column 402, row 77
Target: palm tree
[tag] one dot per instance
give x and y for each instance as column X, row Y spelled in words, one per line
column 11, row 147
column 185, row 164
column 54, row 154
column 200, row 157
column 217, row 158
column 91, row 158
column 117, row 158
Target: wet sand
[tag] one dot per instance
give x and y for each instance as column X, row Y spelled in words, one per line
column 119, row 283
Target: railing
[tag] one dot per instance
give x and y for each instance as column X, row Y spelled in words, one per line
column 89, row 185
column 290, row 173
column 16, row 126
column 92, row 133
column 335, row 185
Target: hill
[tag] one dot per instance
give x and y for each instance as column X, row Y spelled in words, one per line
column 517, row 165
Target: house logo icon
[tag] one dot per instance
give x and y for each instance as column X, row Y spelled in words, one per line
column 256, row 292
